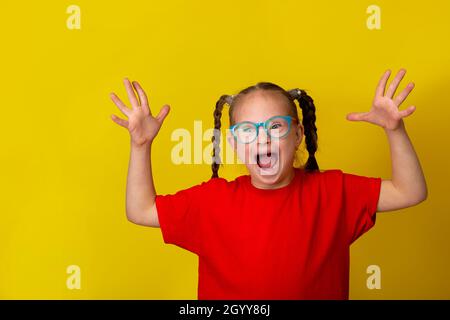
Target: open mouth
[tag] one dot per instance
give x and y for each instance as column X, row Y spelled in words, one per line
column 266, row 160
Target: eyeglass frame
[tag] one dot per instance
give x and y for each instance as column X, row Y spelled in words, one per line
column 263, row 124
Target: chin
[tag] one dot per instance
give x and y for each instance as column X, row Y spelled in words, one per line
column 269, row 176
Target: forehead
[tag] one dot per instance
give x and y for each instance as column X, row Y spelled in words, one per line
column 260, row 105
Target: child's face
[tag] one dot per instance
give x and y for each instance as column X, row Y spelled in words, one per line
column 275, row 170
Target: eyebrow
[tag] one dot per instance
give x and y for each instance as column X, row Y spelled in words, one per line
column 276, row 115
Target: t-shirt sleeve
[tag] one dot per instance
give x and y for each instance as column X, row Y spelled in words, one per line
column 181, row 215
column 360, row 200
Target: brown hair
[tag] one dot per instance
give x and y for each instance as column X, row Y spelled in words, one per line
column 305, row 102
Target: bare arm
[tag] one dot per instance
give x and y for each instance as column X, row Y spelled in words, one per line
column 407, row 186
column 140, row 201
column 143, row 128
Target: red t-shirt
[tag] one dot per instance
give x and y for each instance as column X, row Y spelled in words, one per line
column 287, row 243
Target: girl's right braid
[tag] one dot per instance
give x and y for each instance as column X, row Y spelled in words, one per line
column 216, row 136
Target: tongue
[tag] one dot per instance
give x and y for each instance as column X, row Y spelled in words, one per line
column 264, row 161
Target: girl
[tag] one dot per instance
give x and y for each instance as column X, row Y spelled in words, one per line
column 280, row 232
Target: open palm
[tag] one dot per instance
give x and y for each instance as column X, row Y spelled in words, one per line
column 385, row 109
column 142, row 126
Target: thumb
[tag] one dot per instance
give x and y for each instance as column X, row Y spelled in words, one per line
column 356, row 116
column 407, row 112
column 163, row 113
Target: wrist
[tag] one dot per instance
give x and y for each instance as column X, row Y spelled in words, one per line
column 400, row 128
column 144, row 146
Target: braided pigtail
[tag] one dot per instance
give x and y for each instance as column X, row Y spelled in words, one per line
column 216, row 136
column 306, row 103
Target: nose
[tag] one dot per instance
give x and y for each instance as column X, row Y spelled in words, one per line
column 262, row 136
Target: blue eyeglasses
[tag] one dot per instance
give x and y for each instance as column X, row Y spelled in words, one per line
column 275, row 127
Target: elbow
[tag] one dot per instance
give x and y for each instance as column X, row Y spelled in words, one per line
column 424, row 194
column 134, row 218
column 421, row 197
column 131, row 218
column 413, row 197
column 140, row 218
column 424, row 191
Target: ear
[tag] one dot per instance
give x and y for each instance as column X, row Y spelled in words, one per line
column 231, row 140
column 299, row 133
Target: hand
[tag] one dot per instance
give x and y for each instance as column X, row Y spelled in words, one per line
column 143, row 127
column 384, row 111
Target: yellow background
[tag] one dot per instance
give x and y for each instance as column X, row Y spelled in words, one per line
column 64, row 162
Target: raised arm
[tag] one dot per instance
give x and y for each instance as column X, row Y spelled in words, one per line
column 143, row 128
column 408, row 182
column 407, row 186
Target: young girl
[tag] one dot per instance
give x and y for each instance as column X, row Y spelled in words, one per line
column 280, row 232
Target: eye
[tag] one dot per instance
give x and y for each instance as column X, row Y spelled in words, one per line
column 275, row 126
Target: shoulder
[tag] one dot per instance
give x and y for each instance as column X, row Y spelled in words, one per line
column 335, row 176
column 337, row 179
column 220, row 184
column 326, row 176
